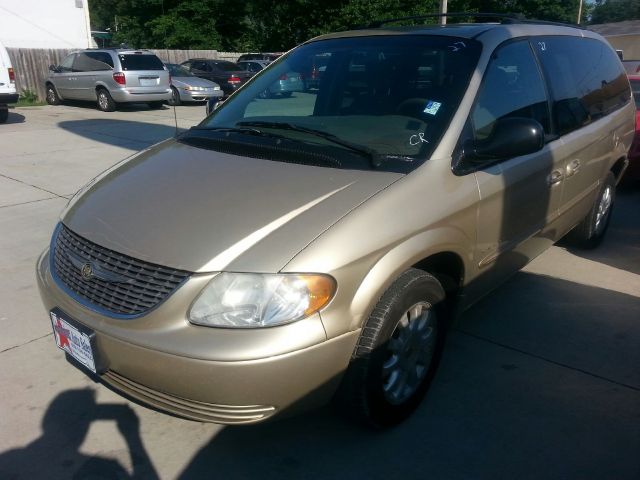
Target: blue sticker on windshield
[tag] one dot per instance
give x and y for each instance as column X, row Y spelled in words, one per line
column 432, row 107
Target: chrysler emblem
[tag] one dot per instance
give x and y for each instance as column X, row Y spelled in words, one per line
column 86, row 271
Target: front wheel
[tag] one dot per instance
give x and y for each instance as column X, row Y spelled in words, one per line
column 397, row 353
column 52, row 95
column 591, row 231
column 175, row 97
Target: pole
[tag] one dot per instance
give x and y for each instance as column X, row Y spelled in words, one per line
column 443, row 12
column 579, row 11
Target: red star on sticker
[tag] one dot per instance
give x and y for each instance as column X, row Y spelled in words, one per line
column 64, row 340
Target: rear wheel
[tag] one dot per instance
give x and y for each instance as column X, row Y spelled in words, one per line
column 155, row 105
column 52, row 95
column 4, row 113
column 105, row 102
column 591, row 231
column 397, row 353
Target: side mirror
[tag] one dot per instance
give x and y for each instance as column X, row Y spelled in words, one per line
column 511, row 137
column 53, row 68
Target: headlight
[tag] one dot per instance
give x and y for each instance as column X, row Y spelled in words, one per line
column 216, row 88
column 249, row 300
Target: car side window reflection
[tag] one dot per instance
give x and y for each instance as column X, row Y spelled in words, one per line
column 512, row 87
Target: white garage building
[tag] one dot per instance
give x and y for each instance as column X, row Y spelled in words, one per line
column 45, row 24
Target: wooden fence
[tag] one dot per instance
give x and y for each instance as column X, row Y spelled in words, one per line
column 32, row 65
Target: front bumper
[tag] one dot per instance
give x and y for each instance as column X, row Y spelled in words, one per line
column 199, row 96
column 6, row 98
column 124, row 95
column 209, row 374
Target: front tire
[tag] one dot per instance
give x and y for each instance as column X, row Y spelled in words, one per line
column 397, row 353
column 105, row 102
column 52, row 95
column 175, row 97
column 591, row 231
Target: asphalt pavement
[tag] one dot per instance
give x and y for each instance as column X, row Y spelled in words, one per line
column 541, row 379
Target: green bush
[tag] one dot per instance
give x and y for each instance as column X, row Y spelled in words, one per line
column 28, row 98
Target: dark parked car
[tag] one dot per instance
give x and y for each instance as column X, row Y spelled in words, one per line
column 230, row 76
column 253, row 66
column 269, row 57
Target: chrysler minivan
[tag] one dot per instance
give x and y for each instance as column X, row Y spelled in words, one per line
column 289, row 251
column 109, row 77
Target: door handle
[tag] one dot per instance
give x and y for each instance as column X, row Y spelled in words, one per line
column 573, row 167
column 555, row 177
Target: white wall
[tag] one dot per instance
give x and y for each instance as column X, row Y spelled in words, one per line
column 44, row 24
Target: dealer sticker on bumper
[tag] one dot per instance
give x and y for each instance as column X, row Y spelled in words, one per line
column 73, row 341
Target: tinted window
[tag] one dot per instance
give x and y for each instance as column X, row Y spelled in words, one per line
column 200, row 65
column 512, row 87
column 227, row 66
column 391, row 96
column 178, row 71
column 92, row 62
column 586, row 78
column 140, row 62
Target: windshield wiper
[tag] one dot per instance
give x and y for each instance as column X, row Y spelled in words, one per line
column 375, row 159
column 245, row 130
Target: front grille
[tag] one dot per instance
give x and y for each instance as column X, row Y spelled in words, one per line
column 118, row 283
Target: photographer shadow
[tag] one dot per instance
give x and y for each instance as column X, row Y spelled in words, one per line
column 56, row 453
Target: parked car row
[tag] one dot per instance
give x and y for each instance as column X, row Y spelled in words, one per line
column 113, row 76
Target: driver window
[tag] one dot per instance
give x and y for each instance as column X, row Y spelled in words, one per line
column 67, row 63
column 512, row 87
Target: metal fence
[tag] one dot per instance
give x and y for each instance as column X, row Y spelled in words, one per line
column 32, row 65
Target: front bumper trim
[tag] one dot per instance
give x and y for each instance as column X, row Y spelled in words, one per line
column 189, row 409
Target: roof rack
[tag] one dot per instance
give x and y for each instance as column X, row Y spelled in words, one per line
column 505, row 18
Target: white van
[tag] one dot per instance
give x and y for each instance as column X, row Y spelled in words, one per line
column 7, row 84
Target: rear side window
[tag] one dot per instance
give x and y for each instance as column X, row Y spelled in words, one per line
column 586, row 78
column 92, row 62
column 512, row 87
column 102, row 57
column 136, row 61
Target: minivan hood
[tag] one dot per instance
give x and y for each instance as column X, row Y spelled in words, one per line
column 205, row 211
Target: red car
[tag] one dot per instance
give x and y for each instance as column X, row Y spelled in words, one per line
column 633, row 170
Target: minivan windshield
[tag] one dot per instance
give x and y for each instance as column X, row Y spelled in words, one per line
column 378, row 102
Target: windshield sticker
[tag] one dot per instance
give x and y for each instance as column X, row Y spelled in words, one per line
column 457, row 46
column 417, row 139
column 432, row 107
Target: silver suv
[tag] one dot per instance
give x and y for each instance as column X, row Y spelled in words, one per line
column 109, row 77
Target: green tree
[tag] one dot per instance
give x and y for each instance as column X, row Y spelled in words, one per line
column 606, row 11
column 276, row 25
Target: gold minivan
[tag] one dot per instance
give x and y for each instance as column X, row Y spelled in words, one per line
column 293, row 249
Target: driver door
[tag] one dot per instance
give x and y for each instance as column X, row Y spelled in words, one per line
column 519, row 197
